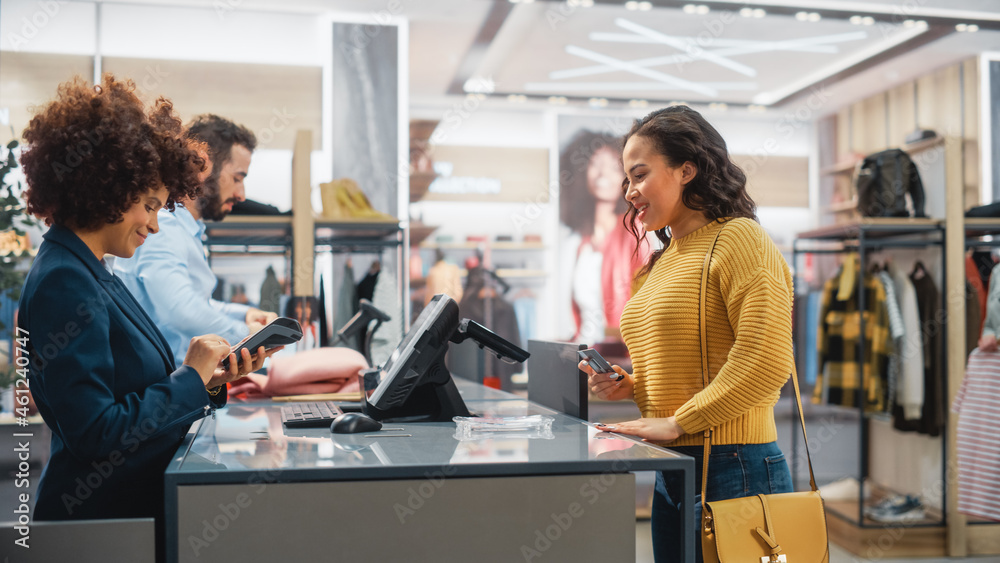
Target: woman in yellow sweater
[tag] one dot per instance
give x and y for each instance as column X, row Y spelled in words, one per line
column 681, row 184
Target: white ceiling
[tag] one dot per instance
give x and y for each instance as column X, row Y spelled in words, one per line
column 665, row 52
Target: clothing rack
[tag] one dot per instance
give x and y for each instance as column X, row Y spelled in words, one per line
column 868, row 236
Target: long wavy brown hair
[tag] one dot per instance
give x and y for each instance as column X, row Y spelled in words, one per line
column 680, row 134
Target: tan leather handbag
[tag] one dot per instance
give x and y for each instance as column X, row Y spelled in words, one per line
column 786, row 527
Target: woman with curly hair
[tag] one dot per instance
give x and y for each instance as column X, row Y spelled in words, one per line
column 99, row 166
column 681, row 184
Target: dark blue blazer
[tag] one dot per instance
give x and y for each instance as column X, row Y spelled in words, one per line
column 105, row 382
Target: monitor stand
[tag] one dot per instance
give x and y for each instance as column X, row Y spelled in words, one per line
column 434, row 399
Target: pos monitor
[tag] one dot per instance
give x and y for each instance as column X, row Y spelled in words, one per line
column 414, row 384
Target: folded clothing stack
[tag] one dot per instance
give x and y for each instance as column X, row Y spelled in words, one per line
column 320, row 370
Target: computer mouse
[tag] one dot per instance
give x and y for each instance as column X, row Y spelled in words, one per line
column 354, row 422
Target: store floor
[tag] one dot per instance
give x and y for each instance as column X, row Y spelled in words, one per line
column 644, row 552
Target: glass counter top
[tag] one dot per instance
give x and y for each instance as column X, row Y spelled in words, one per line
column 247, row 440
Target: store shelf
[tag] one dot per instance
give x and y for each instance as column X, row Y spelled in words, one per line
column 420, row 183
column 848, row 510
column 923, row 145
column 846, row 167
column 419, row 233
column 512, row 273
column 499, row 245
column 873, row 228
column 250, row 230
column 842, row 206
column 976, row 227
column 355, row 229
column 906, row 541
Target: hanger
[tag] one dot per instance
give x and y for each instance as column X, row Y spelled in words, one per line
column 919, row 271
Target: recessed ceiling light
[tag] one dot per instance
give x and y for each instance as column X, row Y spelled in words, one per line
column 960, row 27
column 868, row 20
column 580, row 3
column 856, row 20
column 479, row 84
column 909, row 23
column 759, row 13
column 645, row 6
column 676, row 103
column 716, row 106
column 814, row 16
column 517, row 98
column 755, row 108
column 690, row 9
column 746, row 12
column 702, row 9
column 598, row 102
column 631, row 5
column 638, row 103
column 801, row 16
column 558, row 100
column 972, row 28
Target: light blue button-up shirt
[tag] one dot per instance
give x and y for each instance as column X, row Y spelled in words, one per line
column 170, row 277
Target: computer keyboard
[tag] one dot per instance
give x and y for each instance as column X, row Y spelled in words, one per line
column 309, row 415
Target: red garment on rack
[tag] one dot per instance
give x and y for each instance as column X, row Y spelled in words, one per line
column 976, row 281
column 978, row 406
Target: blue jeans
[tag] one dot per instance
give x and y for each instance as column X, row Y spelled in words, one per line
column 737, row 470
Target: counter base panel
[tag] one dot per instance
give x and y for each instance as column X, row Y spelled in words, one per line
column 589, row 517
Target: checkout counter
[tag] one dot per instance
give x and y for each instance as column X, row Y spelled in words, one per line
column 244, row 488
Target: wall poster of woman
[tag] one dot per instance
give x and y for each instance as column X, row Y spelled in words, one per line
column 597, row 254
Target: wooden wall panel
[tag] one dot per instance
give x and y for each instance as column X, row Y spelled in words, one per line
column 871, row 132
column 843, row 141
column 970, row 74
column 939, row 102
column 31, row 79
column 776, row 181
column 901, row 119
column 273, row 101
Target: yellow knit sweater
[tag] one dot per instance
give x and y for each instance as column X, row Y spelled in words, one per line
column 749, row 326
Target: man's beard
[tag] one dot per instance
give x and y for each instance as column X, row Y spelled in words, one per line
column 209, row 203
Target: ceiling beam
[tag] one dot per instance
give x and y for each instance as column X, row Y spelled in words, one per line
column 480, row 45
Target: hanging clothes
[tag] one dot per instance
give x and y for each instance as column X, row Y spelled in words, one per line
column 978, row 406
column 991, row 325
column 910, row 391
column 385, row 296
column 813, row 307
column 896, row 331
column 324, row 330
column 478, row 302
column 270, row 292
column 976, row 281
column 972, row 318
column 841, row 374
column 932, row 416
column 347, row 298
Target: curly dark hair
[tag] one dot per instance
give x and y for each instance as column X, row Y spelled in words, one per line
column 575, row 194
column 94, row 151
column 718, row 190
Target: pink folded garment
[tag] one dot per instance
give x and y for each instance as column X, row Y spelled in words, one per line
column 320, row 370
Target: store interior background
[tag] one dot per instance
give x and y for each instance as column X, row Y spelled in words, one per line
column 493, row 75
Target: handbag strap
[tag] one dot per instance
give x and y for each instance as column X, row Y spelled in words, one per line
column 704, row 379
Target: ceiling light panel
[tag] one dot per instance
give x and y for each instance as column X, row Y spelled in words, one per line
column 609, row 51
